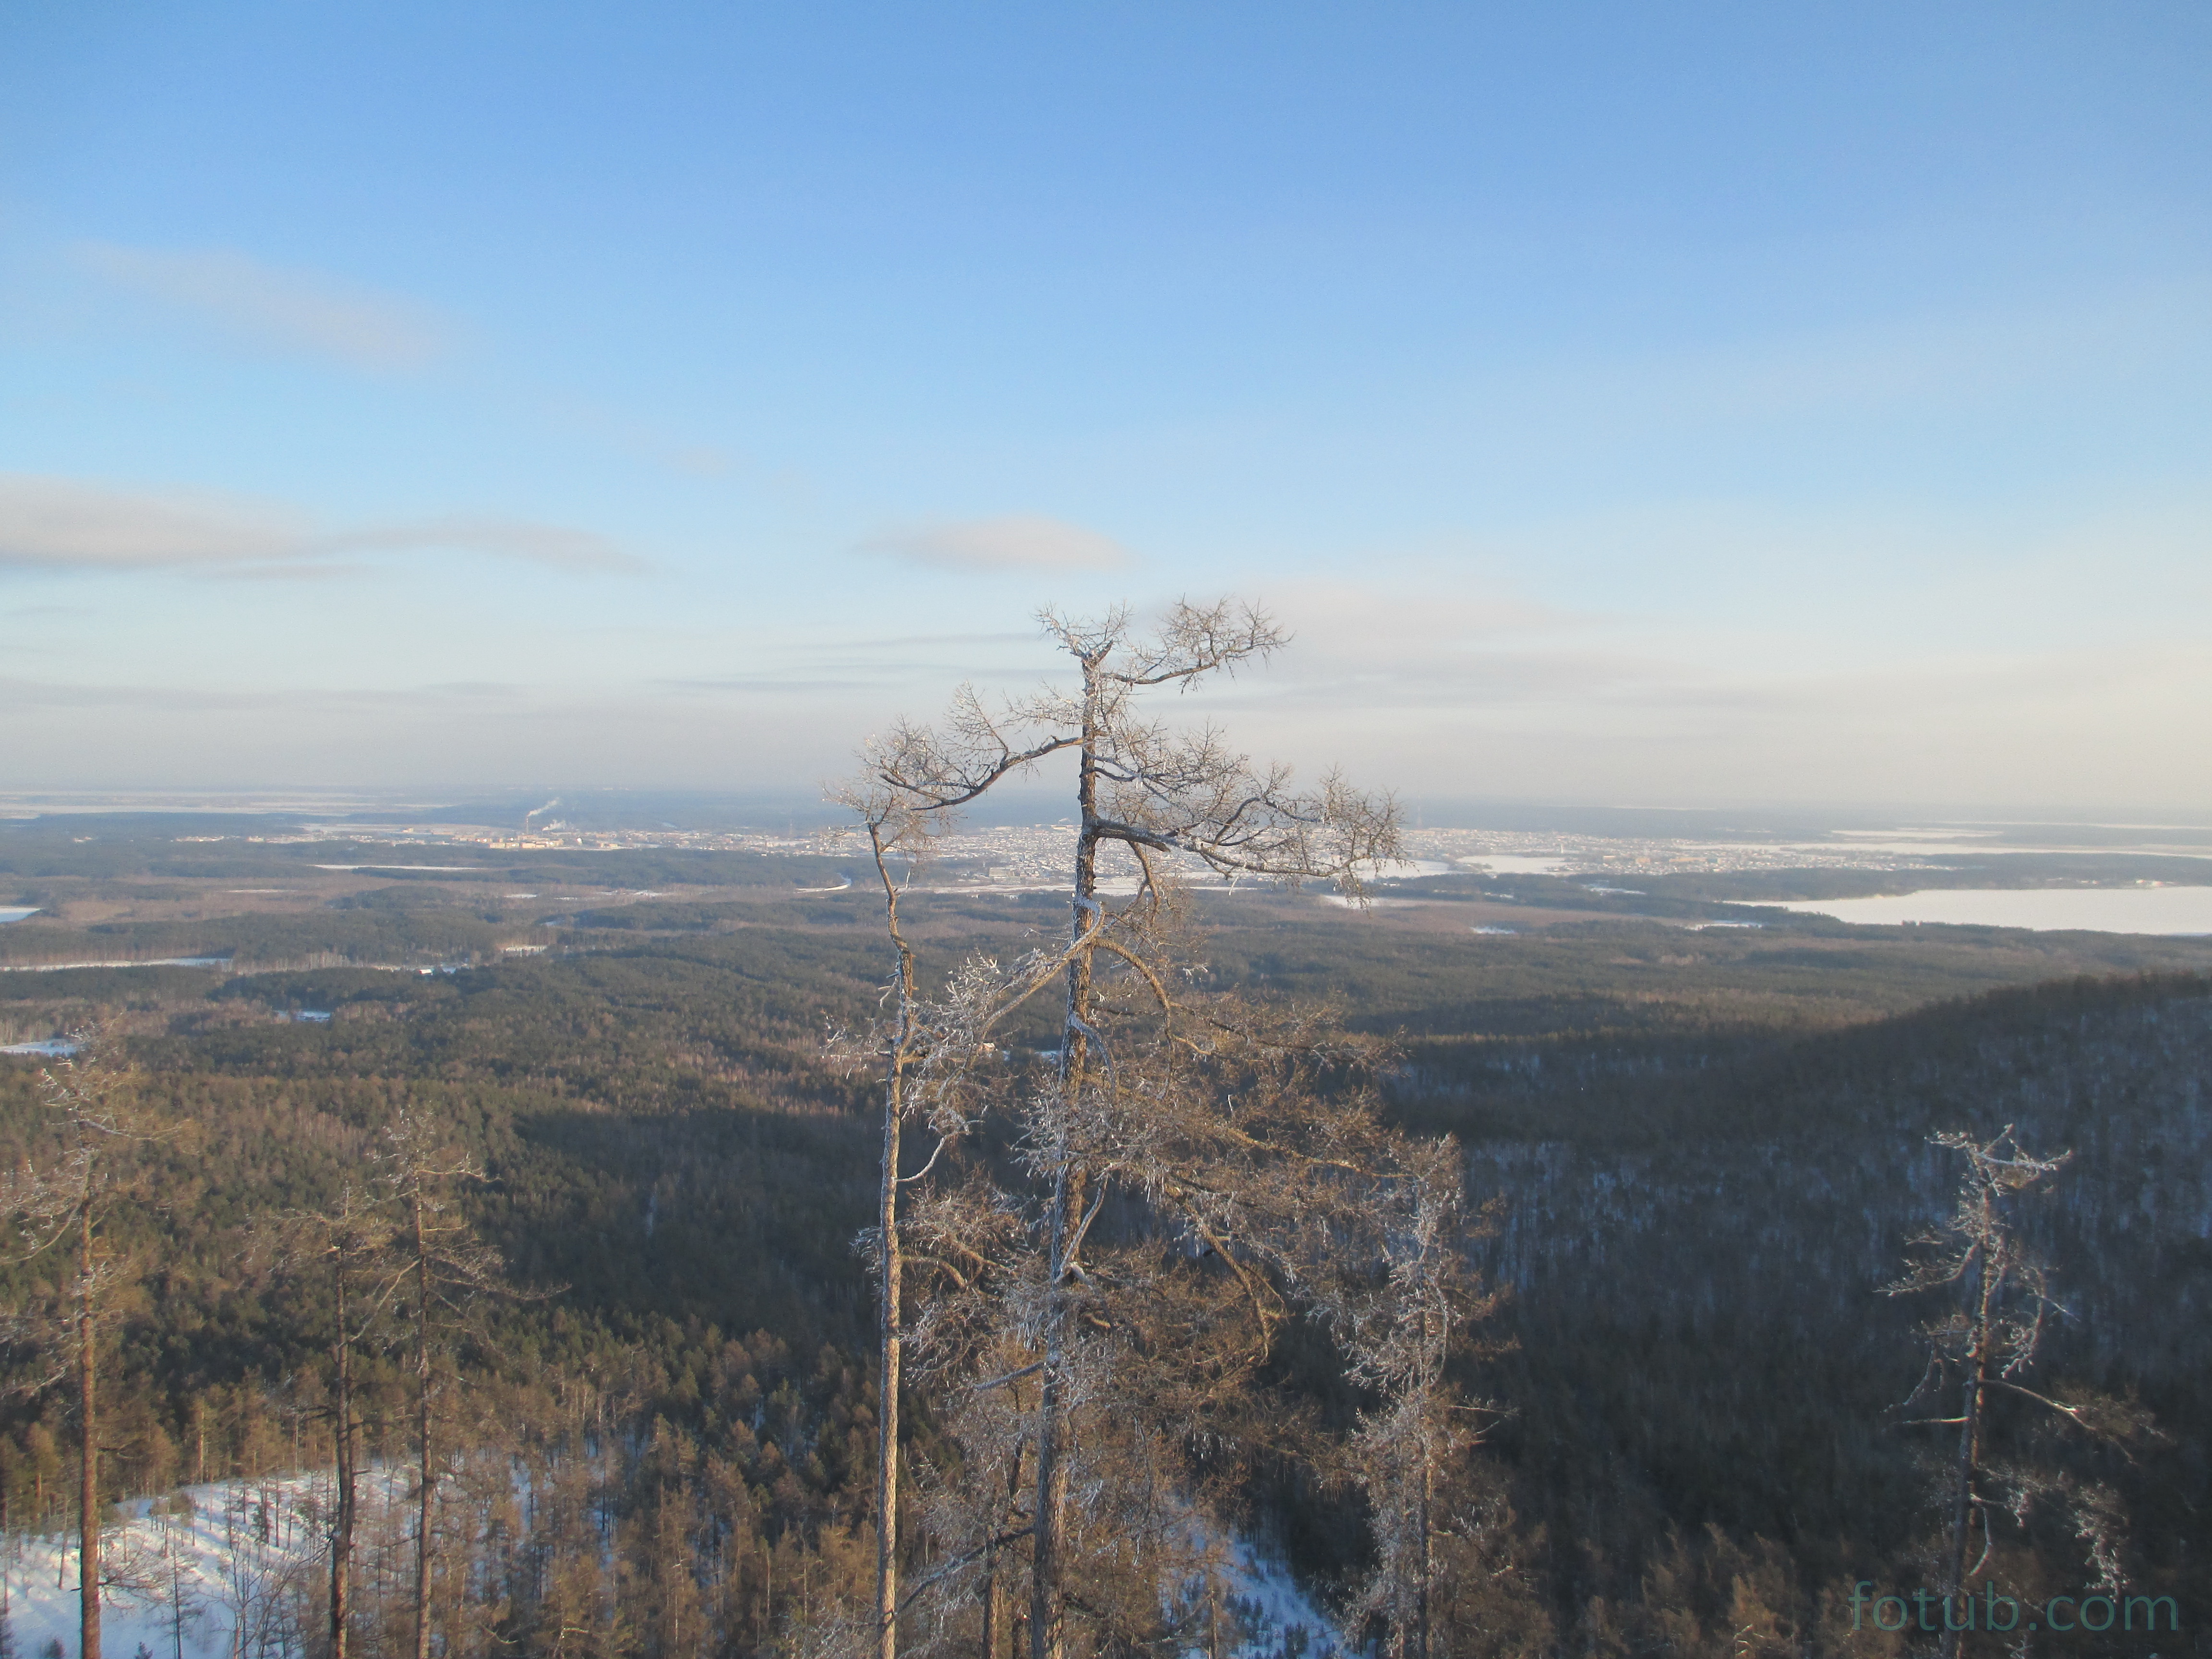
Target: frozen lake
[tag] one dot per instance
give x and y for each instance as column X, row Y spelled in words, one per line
column 142, row 962
column 1403, row 869
column 2092, row 909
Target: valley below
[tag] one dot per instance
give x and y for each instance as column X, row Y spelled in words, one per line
column 1702, row 1148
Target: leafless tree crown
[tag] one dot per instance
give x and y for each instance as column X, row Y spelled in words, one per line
column 1091, row 1296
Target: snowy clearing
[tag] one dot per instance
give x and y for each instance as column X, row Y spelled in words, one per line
column 229, row 1570
column 220, row 1569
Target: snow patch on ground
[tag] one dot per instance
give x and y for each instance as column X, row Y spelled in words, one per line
column 226, row 1573
column 1277, row 1620
column 218, row 1574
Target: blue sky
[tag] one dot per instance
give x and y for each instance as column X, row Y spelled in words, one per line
column 1679, row 405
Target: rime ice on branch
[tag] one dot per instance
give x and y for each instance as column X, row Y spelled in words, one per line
column 1078, row 1361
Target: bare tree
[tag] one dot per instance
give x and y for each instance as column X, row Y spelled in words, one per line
column 95, row 1102
column 180, row 1597
column 262, row 1583
column 447, row 1270
column 1985, row 1343
column 922, row 1059
column 1168, row 801
column 1399, row 1327
column 1250, row 1170
column 354, row 1242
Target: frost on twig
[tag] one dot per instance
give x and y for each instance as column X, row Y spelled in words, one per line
column 1093, row 1255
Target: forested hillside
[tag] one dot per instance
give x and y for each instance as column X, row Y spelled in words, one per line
column 1697, row 1234
column 1709, row 1151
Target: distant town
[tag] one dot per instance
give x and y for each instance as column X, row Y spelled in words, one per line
column 1034, row 856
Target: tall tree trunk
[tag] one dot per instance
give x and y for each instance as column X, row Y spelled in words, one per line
column 889, row 1314
column 342, row 1516
column 1428, row 1543
column 423, row 1464
column 1970, row 1429
column 1046, row 1633
column 89, row 1431
column 1435, row 1337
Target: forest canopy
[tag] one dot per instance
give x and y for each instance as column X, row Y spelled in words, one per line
column 1709, row 1151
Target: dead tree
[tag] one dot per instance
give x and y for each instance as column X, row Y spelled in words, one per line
column 446, row 1271
column 1250, row 1167
column 95, row 1102
column 1403, row 1302
column 354, row 1242
column 1987, row 1340
column 915, row 1050
column 1169, row 802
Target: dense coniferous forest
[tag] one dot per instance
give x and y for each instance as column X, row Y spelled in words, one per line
column 654, row 1412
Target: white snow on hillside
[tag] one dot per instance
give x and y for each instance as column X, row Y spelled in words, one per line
column 214, row 1571
column 223, row 1571
column 1280, row 1621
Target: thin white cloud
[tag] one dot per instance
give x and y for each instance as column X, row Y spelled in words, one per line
column 2078, row 729
column 762, row 685
column 562, row 548
column 274, row 308
column 66, row 524
column 1018, row 542
column 1443, row 695
column 63, row 523
column 283, row 573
